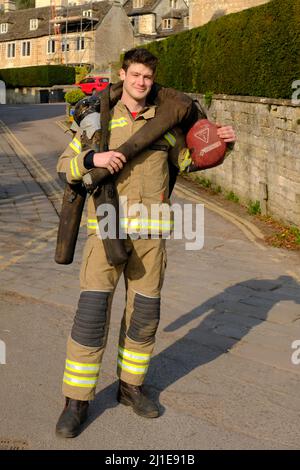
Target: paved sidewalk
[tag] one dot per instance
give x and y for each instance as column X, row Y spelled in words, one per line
column 222, row 367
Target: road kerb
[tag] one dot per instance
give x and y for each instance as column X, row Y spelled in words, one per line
column 250, row 230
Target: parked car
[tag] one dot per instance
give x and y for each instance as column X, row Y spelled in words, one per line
column 91, row 84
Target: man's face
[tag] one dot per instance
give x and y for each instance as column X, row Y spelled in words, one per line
column 137, row 81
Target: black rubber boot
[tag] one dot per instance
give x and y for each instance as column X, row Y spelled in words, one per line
column 132, row 395
column 72, row 417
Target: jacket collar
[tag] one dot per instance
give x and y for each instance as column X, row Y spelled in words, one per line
column 147, row 113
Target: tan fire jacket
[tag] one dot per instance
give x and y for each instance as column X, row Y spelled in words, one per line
column 143, row 183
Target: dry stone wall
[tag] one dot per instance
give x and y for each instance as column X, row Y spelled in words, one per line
column 265, row 164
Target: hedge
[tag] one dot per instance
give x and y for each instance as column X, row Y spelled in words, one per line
column 42, row 75
column 254, row 52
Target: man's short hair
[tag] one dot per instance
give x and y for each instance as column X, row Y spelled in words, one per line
column 139, row 56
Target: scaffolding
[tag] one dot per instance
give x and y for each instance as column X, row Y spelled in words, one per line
column 55, row 30
column 61, row 27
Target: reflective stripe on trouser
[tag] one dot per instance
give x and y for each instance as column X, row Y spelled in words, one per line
column 81, row 371
column 86, row 345
column 143, row 273
column 137, row 336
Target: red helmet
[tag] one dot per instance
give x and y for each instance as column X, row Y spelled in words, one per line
column 207, row 149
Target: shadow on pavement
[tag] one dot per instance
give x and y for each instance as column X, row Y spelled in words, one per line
column 250, row 301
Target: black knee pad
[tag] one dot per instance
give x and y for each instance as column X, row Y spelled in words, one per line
column 89, row 328
column 145, row 318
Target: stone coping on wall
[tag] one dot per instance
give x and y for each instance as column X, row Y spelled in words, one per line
column 250, row 99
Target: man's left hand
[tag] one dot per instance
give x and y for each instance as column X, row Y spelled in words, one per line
column 226, row 133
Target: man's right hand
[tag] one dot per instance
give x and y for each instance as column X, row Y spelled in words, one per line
column 113, row 161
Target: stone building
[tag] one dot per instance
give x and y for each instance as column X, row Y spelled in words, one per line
column 47, row 3
column 156, row 19
column 203, row 11
column 93, row 34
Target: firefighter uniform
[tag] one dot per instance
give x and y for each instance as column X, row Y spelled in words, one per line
column 144, row 180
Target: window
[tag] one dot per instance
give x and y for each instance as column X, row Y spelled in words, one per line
column 87, row 80
column 173, row 4
column 88, row 13
column 135, row 23
column 186, row 21
column 11, row 50
column 25, row 48
column 167, row 24
column 3, row 28
column 138, row 3
column 65, row 46
column 33, row 24
column 51, row 46
column 80, row 44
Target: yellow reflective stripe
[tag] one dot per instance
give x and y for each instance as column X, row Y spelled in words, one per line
column 75, row 145
column 76, row 166
column 138, row 357
column 146, row 223
column 137, row 224
column 92, row 224
column 69, row 382
column 75, row 169
column 122, row 119
column 170, row 138
column 132, row 368
column 121, row 122
column 81, row 367
column 186, row 161
column 76, row 381
column 72, row 169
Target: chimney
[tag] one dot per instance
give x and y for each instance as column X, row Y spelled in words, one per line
column 9, row 5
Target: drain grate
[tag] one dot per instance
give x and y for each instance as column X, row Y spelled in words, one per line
column 12, row 444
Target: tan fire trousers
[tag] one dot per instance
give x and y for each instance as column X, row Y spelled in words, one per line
column 143, row 274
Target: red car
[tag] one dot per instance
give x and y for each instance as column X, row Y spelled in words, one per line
column 91, row 84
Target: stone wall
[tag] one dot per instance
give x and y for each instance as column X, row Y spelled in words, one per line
column 265, row 164
column 203, row 11
column 23, row 96
column 34, row 95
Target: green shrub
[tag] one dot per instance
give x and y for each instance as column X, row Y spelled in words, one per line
column 203, row 182
column 254, row 208
column 208, row 96
column 73, row 96
column 296, row 232
column 253, row 52
column 42, row 75
column 217, row 189
column 232, row 197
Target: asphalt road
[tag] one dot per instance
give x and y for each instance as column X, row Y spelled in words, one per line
column 223, row 368
column 36, row 127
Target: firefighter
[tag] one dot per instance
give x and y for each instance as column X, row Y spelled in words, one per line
column 140, row 183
